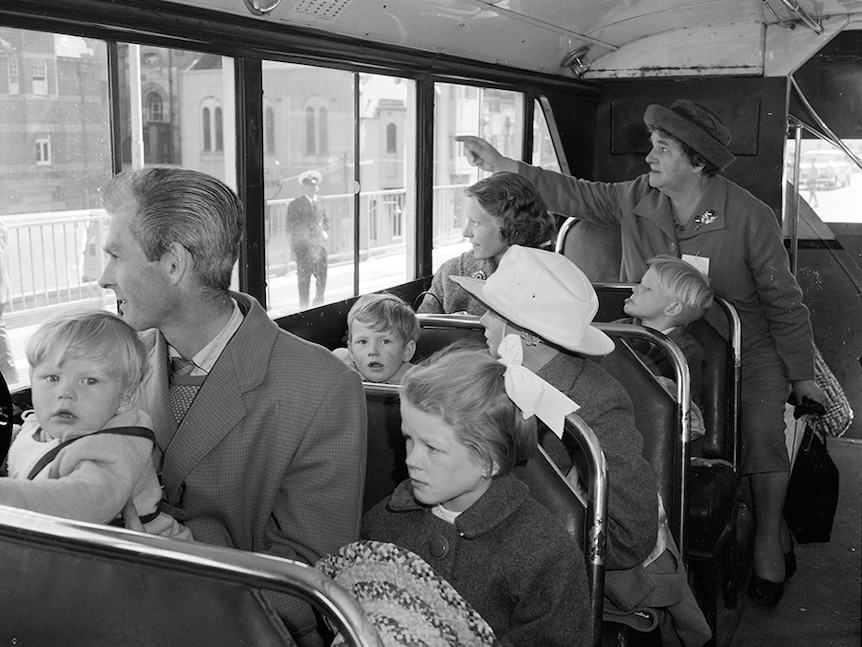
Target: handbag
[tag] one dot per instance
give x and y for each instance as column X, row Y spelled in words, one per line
column 838, row 414
column 812, row 493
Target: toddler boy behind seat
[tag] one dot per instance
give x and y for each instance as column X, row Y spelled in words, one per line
column 671, row 295
column 382, row 331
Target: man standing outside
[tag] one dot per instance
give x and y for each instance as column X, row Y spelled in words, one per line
column 260, row 435
column 308, row 225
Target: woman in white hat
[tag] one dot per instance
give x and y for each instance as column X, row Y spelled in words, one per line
column 685, row 208
column 502, row 210
column 548, row 302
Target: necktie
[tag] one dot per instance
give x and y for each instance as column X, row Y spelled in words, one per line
column 184, row 386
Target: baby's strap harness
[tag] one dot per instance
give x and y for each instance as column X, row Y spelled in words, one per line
column 140, row 432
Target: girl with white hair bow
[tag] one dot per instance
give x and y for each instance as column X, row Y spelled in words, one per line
column 467, row 419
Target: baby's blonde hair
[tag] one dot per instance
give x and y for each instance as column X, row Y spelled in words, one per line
column 94, row 335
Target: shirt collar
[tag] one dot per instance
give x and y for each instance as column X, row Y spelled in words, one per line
column 207, row 356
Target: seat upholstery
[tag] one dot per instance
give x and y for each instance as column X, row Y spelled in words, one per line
column 385, row 467
column 658, row 418
column 596, row 250
column 715, row 494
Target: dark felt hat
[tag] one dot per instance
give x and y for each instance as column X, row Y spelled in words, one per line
column 695, row 125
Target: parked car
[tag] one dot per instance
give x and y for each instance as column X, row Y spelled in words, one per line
column 824, row 169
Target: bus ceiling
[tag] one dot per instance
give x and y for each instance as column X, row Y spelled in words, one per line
column 593, row 39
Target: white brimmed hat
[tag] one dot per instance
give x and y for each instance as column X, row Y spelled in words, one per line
column 545, row 293
column 310, row 177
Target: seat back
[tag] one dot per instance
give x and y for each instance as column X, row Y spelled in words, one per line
column 596, row 250
column 439, row 331
column 721, row 379
column 584, row 519
column 385, row 467
column 662, row 419
column 74, row 583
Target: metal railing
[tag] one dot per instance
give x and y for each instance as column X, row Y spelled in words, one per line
column 55, row 258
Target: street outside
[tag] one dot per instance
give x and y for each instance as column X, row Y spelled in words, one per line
column 838, row 205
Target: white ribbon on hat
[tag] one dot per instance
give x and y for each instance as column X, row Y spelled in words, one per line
column 532, row 394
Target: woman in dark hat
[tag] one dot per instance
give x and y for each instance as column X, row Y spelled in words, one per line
column 685, row 208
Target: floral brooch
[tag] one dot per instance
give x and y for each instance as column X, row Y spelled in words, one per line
column 480, row 275
column 706, row 218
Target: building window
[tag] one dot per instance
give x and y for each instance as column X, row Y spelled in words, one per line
column 155, row 107
column 207, row 130
column 39, row 75
column 212, row 126
column 323, row 125
column 269, row 130
column 14, row 76
column 43, row 149
column 310, row 134
column 391, row 138
column 219, row 130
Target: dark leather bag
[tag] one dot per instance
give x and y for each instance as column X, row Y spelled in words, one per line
column 812, row 494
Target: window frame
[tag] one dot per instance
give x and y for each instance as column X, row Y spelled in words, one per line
column 247, row 43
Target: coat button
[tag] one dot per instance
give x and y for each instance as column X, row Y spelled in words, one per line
column 438, row 547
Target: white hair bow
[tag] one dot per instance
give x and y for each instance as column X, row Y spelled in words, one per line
column 532, row 394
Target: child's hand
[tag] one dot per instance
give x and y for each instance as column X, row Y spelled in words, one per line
column 131, row 520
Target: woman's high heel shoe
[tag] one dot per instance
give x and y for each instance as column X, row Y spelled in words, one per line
column 764, row 592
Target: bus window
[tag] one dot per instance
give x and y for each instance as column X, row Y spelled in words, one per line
column 56, row 154
column 828, row 188
column 177, row 109
column 320, row 191
column 495, row 115
column 544, row 152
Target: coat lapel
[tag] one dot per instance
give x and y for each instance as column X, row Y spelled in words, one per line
column 655, row 207
column 219, row 407
column 155, row 392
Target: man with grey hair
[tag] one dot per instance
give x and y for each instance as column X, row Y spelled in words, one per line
column 260, row 435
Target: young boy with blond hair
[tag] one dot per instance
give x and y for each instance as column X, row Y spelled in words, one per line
column 382, row 331
column 671, row 295
column 85, row 450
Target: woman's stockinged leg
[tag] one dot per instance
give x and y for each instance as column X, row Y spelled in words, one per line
column 766, row 465
column 768, row 490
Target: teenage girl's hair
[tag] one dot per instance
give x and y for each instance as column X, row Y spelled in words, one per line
column 685, row 282
column 384, row 312
column 466, row 388
column 94, row 335
column 518, row 208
